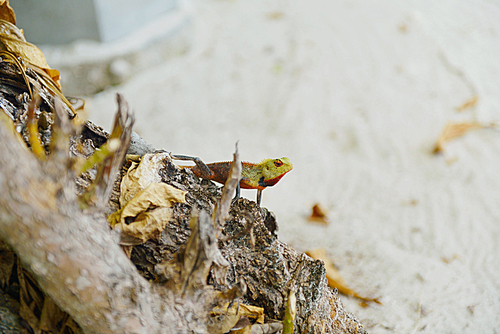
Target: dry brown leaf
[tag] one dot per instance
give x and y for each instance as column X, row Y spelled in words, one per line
column 319, row 214
column 410, row 202
column 223, row 319
column 220, row 324
column 156, row 195
column 140, row 175
column 237, row 291
column 243, row 326
column 70, row 326
column 469, row 103
column 127, row 250
column 449, row 259
column 14, row 48
column 10, row 29
column 334, row 278
column 51, row 315
column 267, row 328
column 12, row 40
column 454, row 130
column 144, row 200
column 6, row 12
column 150, row 211
column 30, row 297
column 275, row 15
column 403, row 28
column 242, row 310
column 7, row 261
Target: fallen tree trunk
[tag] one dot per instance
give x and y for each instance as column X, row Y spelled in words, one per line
column 77, row 261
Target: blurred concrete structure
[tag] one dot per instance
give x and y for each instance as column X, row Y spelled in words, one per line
column 64, row 21
column 98, row 43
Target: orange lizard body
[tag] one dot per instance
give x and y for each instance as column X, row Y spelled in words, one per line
column 253, row 175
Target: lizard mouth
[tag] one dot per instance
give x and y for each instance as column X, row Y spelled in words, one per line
column 271, row 182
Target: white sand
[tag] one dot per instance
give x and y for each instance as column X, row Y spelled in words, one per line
column 355, row 93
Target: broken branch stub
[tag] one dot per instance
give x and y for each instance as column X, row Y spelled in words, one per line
column 222, row 211
column 108, row 170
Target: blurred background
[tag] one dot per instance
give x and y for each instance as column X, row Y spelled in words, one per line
column 356, row 93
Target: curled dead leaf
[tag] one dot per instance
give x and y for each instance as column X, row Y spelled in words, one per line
column 454, row 130
column 319, row 214
column 15, row 49
column 6, row 12
column 223, row 319
column 252, row 312
column 220, row 323
column 12, row 40
column 140, row 175
column 145, row 201
column 149, row 212
column 243, row 326
column 237, row 291
column 334, row 278
column 469, row 103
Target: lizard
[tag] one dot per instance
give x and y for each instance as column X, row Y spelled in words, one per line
column 253, row 175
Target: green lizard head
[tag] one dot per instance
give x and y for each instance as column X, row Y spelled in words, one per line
column 274, row 169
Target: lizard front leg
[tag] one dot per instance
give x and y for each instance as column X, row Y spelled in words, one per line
column 206, row 173
column 259, row 196
column 237, row 195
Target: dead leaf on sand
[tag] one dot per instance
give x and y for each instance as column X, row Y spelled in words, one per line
column 334, row 278
column 275, row 15
column 319, row 214
column 454, row 130
column 468, row 104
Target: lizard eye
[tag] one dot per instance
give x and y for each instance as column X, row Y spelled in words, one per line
column 278, row 163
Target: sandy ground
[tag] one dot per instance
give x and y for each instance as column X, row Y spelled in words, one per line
column 355, row 93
